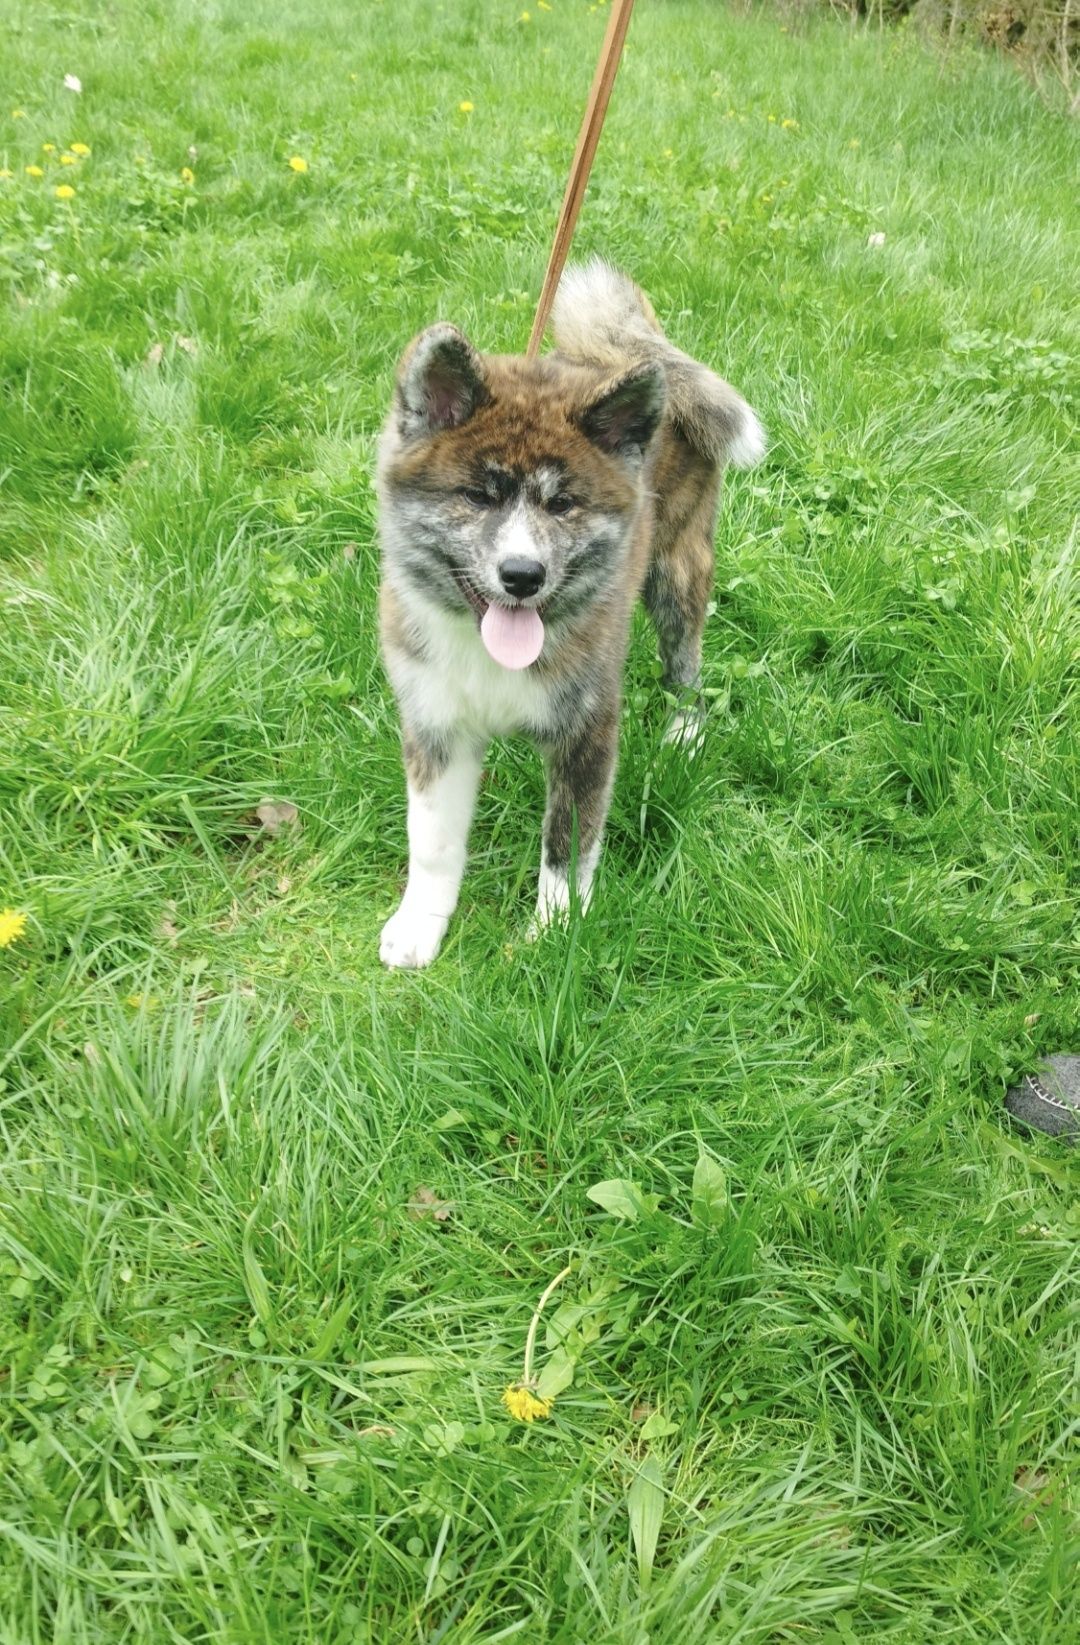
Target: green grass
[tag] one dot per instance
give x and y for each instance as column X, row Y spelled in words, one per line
column 250, row 1385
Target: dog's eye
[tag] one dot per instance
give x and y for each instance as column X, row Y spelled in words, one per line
column 560, row 504
column 478, row 498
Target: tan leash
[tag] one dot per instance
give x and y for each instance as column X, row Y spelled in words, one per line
column 588, row 137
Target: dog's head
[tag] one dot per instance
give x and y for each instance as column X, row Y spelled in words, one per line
column 510, row 483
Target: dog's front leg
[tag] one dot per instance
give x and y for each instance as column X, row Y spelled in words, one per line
column 580, row 771
column 443, row 777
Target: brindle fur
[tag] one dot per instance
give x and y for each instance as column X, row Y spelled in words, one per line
column 426, row 754
column 580, row 774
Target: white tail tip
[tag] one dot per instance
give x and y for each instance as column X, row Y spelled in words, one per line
column 749, row 445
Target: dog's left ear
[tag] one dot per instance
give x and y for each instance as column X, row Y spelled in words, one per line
column 440, row 381
column 624, row 418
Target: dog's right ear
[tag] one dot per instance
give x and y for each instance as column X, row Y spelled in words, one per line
column 440, row 382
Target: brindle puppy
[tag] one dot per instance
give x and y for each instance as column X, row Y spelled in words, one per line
column 524, row 506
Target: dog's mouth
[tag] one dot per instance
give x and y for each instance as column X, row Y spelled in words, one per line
column 513, row 635
column 471, row 594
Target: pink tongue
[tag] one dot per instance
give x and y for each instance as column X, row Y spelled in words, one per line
column 514, row 638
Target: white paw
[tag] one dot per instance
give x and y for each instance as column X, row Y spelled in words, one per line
column 552, row 902
column 686, row 731
column 411, row 940
column 553, row 896
column 547, row 913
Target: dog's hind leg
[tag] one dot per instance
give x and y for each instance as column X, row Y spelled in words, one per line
column 677, row 591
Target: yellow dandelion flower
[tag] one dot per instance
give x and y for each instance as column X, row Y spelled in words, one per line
column 18, row 114
column 521, row 1398
column 187, row 175
column 767, row 198
column 668, row 154
column 136, row 1001
column 525, row 18
column 542, row 5
column 789, row 125
column 466, row 107
column 81, row 149
column 48, row 148
column 34, row 171
column 12, row 926
column 64, row 191
column 772, row 119
column 524, row 1404
column 69, row 159
column 297, row 163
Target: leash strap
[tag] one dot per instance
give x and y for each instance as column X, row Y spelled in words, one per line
column 588, row 137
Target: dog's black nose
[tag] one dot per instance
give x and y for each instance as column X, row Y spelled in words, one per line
column 521, row 577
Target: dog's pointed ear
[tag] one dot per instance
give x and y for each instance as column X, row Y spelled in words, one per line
column 440, row 382
column 624, row 418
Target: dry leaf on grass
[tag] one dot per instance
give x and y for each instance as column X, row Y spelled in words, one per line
column 349, row 551
column 154, row 354
column 425, row 1204
column 274, row 815
column 229, row 922
column 1036, row 1484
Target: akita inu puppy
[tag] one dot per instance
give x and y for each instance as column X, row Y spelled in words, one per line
column 523, row 507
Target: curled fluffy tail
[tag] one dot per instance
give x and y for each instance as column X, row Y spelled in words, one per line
column 602, row 317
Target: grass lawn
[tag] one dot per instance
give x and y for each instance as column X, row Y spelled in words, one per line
column 273, row 1221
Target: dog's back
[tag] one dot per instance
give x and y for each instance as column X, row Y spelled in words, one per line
column 601, row 318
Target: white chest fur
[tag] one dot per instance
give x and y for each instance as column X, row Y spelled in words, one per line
column 458, row 685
